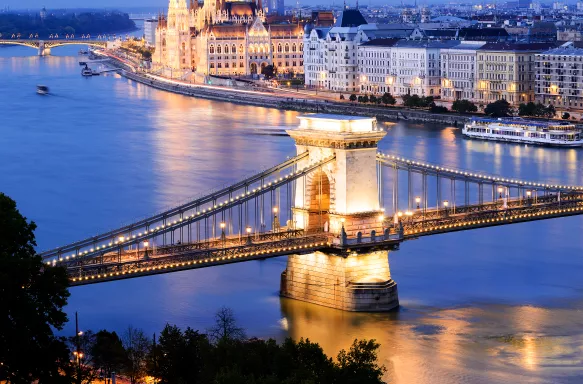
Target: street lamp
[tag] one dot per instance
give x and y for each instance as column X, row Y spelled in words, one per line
column 418, row 201
column 445, row 205
column 275, row 220
column 146, row 244
column 500, row 189
column 409, row 215
column 223, row 236
column 248, row 230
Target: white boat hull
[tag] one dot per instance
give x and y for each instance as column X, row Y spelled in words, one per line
column 524, row 140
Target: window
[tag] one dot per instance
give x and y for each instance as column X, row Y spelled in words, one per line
column 219, row 49
column 212, row 49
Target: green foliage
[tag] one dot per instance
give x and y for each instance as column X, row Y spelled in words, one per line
column 364, row 99
column 566, row 116
column 93, row 23
column 108, row 353
column 269, row 71
column 414, row 101
column 464, row 106
column 537, row 110
column 437, row 108
column 352, row 98
column 372, row 99
column 32, row 295
column 342, row 97
column 136, row 346
column 359, row 364
column 388, row 99
column 499, row 108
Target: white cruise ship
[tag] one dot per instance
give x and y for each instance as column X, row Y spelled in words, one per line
column 518, row 130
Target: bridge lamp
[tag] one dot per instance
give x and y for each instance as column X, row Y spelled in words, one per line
column 500, row 189
column 417, row 201
column 381, row 217
column 445, row 203
column 528, row 194
column 121, row 239
column 146, row 244
column 400, row 214
column 222, row 225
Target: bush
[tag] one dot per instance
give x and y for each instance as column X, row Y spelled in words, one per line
column 566, row 116
column 438, row 109
column 388, row 99
column 352, row 98
column 414, row 101
column 464, row 106
column 537, row 110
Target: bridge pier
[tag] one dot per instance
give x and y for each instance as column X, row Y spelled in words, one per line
column 42, row 49
column 341, row 198
column 357, row 282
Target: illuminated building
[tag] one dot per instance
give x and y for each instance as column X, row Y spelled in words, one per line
column 222, row 37
column 559, row 78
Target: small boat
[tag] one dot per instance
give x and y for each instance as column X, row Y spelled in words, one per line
column 86, row 71
column 83, row 52
column 42, row 90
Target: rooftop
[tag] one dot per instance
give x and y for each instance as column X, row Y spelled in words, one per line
column 350, row 18
column 564, row 52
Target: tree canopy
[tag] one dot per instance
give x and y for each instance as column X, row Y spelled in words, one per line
column 464, row 106
column 499, row 108
column 537, row 110
column 32, row 296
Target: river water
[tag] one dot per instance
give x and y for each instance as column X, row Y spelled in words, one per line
column 497, row 305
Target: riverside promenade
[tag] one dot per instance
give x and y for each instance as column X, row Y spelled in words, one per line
column 283, row 100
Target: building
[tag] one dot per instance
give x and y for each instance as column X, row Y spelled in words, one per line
column 458, row 71
column 569, row 35
column 559, row 78
column 228, row 38
column 275, row 7
column 150, row 26
column 331, row 53
column 416, row 66
column 374, row 66
column 507, row 71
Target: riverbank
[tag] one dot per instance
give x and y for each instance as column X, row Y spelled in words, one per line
column 264, row 98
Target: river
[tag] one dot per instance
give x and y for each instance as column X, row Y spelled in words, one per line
column 497, row 305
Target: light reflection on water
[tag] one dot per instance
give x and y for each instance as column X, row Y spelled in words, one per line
column 495, row 305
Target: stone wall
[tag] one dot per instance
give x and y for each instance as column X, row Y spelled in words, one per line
column 358, row 282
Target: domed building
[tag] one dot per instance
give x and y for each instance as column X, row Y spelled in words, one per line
column 225, row 37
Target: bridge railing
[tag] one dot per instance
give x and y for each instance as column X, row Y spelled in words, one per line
column 234, row 214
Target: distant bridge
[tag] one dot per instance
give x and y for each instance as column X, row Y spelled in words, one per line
column 327, row 209
column 44, row 46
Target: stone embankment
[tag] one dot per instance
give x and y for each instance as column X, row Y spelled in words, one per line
column 263, row 99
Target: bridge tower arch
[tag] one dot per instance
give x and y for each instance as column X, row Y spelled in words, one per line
column 342, row 198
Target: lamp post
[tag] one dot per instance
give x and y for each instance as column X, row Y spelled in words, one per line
column 248, row 230
column 276, row 225
column 223, row 236
column 528, row 196
column 445, row 206
column 500, row 189
column 409, row 215
column 78, row 353
column 418, row 202
column 146, row 244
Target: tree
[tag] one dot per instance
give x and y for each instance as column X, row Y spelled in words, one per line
column 365, row 99
column 437, row 108
column 566, row 116
column 359, row 364
column 137, row 346
column 388, row 99
column 82, row 370
column 32, row 296
column 269, row 71
column 499, row 108
column 225, row 327
column 352, row 98
column 550, row 111
column 464, row 106
column 372, row 99
column 108, row 353
column 342, row 97
column 529, row 109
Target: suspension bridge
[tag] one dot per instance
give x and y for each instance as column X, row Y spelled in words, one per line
column 336, row 209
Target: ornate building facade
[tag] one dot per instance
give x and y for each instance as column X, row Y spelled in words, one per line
column 224, row 37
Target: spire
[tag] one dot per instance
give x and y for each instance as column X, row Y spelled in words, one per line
column 356, row 4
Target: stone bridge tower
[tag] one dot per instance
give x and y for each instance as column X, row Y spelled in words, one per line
column 341, row 196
